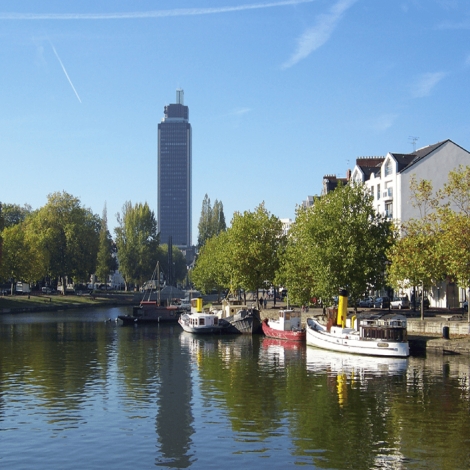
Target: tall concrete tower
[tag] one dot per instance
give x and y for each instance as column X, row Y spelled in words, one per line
column 174, row 174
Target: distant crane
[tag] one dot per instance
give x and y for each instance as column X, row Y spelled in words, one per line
column 413, row 142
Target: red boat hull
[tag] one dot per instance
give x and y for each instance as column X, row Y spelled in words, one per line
column 284, row 335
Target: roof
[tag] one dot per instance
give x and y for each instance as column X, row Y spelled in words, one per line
column 369, row 165
column 405, row 160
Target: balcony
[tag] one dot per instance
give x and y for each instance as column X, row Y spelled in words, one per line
column 387, row 195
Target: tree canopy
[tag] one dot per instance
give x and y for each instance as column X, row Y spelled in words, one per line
column 137, row 242
column 436, row 245
column 59, row 240
column 339, row 242
column 105, row 261
column 212, row 220
column 245, row 256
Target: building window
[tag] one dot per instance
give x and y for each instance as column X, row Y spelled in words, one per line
column 389, row 210
column 378, row 191
column 388, row 167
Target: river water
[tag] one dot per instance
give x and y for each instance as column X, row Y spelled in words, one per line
column 78, row 391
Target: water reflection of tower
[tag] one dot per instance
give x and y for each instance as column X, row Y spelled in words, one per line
column 174, row 417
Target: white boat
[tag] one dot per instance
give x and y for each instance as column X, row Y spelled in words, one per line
column 369, row 334
column 202, row 322
column 377, row 335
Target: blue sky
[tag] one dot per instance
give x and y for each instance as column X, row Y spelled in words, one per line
column 280, row 93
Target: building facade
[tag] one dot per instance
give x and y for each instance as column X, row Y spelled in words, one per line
column 175, row 174
column 388, row 179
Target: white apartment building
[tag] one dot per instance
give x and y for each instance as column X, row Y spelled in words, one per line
column 388, row 179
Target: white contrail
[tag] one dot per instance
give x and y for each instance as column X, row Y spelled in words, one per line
column 65, row 71
column 146, row 14
column 319, row 34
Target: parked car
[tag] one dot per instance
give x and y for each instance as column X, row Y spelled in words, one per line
column 400, row 302
column 47, row 290
column 465, row 305
column 382, row 302
column 366, row 303
column 185, row 304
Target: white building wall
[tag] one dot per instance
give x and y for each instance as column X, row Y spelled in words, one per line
column 435, row 167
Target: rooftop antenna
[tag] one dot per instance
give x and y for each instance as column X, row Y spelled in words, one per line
column 413, row 142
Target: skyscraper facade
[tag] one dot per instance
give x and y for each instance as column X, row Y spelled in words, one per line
column 174, row 174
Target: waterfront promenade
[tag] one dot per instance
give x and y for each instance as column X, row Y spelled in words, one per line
column 424, row 335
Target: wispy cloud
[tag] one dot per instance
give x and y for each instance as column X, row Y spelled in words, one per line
column 319, row 34
column 426, row 83
column 384, row 122
column 239, row 111
column 65, row 71
column 147, row 14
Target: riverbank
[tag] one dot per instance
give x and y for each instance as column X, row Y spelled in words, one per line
column 41, row 303
column 424, row 335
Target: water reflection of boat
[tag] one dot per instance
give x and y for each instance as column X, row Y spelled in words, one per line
column 286, row 327
column 370, row 334
column 278, row 352
column 280, row 343
column 321, row 360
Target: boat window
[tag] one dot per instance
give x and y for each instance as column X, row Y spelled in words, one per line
column 202, row 321
column 216, row 320
column 287, row 316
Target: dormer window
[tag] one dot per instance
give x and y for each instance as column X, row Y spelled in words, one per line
column 388, row 167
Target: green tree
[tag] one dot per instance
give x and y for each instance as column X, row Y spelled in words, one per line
column 212, row 269
column 137, row 242
column 455, row 225
column 255, row 241
column 65, row 238
column 105, row 261
column 15, row 263
column 339, row 242
column 218, row 218
column 417, row 258
column 204, row 226
column 212, row 220
column 14, row 214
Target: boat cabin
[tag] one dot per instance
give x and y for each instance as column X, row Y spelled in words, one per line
column 387, row 327
column 203, row 320
column 288, row 320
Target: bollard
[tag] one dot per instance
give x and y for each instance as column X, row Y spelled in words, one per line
column 445, row 332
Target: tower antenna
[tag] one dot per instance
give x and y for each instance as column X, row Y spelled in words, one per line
column 413, row 142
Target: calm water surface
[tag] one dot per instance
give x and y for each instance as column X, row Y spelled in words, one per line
column 78, row 391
